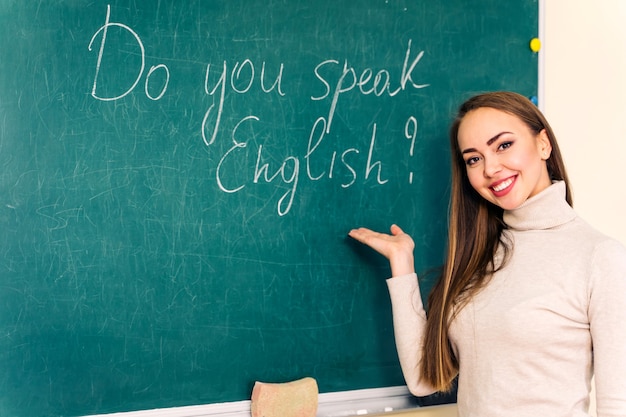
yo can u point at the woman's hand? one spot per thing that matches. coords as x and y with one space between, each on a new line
397 247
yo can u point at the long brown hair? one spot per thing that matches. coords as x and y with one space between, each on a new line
474 236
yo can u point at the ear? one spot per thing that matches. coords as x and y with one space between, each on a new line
544 147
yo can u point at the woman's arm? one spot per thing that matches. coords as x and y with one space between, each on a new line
409 317
409 324
607 317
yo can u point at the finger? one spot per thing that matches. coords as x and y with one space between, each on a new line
361 233
370 238
396 230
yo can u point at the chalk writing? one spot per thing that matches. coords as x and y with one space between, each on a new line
332 79
381 84
104 29
410 132
235 77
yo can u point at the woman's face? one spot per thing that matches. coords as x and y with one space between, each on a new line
505 160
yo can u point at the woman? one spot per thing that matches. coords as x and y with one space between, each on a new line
530 303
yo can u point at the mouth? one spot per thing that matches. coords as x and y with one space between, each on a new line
503 187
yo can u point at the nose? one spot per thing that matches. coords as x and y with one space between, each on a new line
492 166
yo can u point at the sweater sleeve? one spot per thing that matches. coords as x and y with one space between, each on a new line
607 317
409 323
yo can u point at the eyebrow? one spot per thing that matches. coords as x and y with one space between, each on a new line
489 142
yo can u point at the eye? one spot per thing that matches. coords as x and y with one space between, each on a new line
472 161
505 145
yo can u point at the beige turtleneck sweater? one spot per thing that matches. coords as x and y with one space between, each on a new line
530 341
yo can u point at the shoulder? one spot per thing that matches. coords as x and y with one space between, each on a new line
607 256
599 243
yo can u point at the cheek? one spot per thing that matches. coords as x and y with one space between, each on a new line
523 157
522 161
519 160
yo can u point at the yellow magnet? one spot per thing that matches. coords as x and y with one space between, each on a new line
535 45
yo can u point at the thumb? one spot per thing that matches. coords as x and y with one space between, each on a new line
396 230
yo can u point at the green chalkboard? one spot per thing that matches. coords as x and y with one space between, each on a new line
178 179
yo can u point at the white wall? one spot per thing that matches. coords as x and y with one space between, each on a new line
584 99
583 96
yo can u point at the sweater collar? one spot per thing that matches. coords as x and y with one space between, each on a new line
545 210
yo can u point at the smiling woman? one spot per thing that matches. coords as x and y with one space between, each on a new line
528 289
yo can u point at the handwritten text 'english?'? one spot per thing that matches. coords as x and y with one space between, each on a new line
241 78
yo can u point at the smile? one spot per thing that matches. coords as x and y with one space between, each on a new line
503 185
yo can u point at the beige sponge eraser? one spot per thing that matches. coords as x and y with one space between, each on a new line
288 399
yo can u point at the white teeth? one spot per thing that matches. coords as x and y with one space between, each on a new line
502 185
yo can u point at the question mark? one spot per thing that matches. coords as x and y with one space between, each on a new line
410 132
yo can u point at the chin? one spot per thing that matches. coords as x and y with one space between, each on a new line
505 203
509 205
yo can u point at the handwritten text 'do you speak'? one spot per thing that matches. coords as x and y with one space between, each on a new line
331 79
